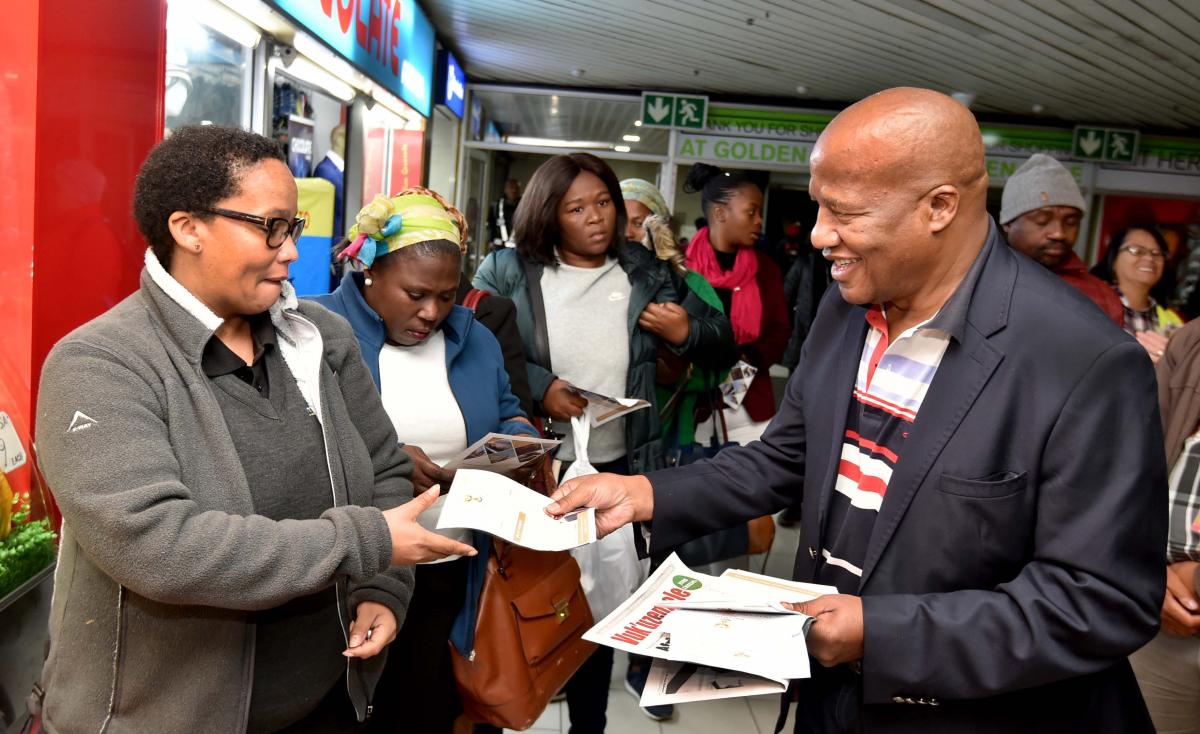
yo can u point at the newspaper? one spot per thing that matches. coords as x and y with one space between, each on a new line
763 650
495 504
673 681
746 591
735 386
503 454
602 409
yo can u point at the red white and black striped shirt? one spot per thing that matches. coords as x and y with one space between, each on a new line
894 376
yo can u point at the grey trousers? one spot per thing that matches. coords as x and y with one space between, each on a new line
1168 672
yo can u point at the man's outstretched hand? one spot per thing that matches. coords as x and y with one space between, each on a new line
618 500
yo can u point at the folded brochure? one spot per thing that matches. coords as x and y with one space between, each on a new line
495 504
602 409
502 454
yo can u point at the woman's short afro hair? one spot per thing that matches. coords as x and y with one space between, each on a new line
190 171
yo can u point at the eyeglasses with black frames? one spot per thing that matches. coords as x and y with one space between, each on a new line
278 229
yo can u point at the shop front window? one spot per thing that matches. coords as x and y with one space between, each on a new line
393 151
311 126
208 73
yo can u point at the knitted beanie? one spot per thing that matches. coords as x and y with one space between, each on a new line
1040 181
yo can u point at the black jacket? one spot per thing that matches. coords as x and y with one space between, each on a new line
499 315
506 273
1018 555
804 286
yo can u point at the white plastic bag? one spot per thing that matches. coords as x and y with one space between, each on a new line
609 568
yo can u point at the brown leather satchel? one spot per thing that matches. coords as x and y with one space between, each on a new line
760 534
528 636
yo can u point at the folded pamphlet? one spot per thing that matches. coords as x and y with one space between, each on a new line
602 409
495 504
503 454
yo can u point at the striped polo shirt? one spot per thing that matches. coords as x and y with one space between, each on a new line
894 376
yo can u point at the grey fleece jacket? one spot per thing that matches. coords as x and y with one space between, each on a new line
162 556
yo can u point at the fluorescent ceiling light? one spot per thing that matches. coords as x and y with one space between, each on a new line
556 143
632 138
394 104
637 123
260 15
966 99
307 72
621 148
331 62
221 19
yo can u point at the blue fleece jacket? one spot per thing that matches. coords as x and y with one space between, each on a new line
475 368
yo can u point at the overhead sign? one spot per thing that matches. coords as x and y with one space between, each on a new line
1001 167
792 155
391 41
686 112
452 83
744 152
1108 144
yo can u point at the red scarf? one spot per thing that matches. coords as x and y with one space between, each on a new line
747 310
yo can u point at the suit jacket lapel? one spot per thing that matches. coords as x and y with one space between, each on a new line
964 371
838 387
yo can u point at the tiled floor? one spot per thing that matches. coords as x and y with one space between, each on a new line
732 716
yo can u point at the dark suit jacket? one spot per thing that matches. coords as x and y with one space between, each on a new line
1018 555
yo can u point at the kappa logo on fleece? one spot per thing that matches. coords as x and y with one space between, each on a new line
81 422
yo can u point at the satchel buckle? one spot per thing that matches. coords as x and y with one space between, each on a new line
562 610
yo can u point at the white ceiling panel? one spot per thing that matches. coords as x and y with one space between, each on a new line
1123 62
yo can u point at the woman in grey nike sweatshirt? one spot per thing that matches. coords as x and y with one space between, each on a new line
237 537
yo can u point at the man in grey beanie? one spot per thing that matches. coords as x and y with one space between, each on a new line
1040 211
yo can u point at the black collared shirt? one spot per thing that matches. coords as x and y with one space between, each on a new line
952 316
218 359
280 445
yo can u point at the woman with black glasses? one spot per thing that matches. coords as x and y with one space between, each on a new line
1135 264
237 540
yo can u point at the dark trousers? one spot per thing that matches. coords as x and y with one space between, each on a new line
416 692
587 693
333 715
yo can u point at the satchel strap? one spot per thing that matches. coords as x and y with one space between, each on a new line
473 297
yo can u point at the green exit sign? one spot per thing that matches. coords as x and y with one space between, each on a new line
1106 144
686 112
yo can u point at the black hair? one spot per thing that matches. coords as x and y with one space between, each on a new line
714 185
1106 269
535 223
190 171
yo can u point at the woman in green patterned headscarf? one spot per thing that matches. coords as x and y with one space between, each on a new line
683 387
444 386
